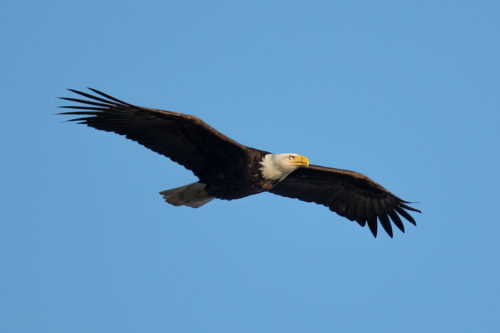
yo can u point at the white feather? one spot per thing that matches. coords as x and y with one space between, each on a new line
277 166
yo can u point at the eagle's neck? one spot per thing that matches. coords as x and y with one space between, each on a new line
275 167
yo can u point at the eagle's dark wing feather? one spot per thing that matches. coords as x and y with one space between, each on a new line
183 138
347 193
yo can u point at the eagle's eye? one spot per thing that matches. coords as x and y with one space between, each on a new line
291 157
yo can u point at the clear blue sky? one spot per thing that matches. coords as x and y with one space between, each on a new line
406 92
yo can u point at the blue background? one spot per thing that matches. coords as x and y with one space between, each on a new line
405 92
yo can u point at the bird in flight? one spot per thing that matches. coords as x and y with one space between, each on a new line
229 170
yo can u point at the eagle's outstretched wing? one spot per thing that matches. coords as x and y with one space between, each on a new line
183 138
347 193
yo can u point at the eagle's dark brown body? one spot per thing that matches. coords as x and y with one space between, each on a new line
238 179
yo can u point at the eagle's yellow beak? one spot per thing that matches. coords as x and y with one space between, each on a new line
301 161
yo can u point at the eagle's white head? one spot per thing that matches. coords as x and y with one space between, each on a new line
278 166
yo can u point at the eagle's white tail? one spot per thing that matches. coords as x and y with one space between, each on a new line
192 195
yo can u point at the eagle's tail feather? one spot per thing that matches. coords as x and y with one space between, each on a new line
192 195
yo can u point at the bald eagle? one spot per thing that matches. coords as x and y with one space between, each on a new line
229 170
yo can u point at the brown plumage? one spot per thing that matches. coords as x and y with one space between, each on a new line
349 194
229 170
